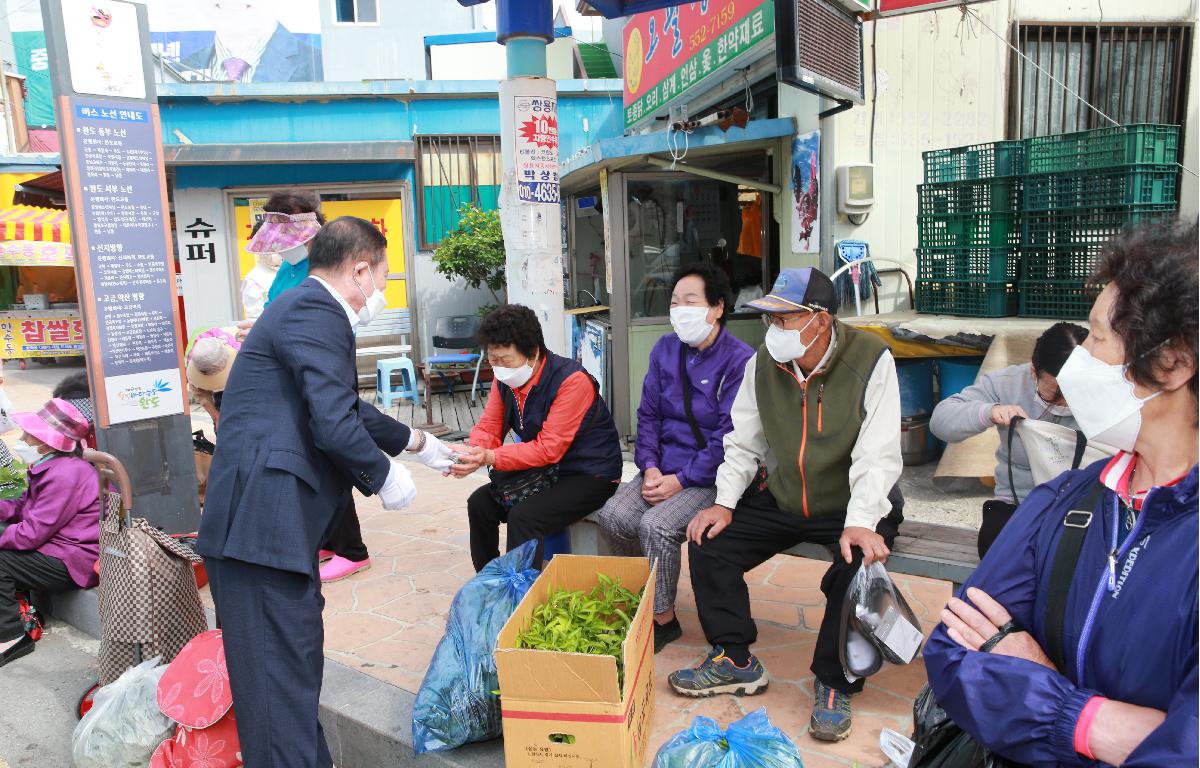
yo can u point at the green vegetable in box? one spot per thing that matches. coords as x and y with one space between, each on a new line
579 622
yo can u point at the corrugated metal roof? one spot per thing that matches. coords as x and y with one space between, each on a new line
416 89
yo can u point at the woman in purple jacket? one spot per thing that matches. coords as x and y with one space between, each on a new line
1075 642
51 535
679 447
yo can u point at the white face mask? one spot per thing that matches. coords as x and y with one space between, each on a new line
376 303
26 452
294 255
691 324
787 345
1102 400
513 377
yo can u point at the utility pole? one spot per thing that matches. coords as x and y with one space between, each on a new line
529 193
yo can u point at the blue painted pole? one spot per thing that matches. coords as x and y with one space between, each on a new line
526 56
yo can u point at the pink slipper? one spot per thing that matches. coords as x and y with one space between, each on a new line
325 555
340 568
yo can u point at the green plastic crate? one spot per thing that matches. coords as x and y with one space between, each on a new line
988 229
978 196
1076 229
988 264
1057 299
1103 147
1117 186
977 161
1059 263
970 298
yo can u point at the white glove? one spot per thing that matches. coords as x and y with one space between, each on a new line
435 455
398 490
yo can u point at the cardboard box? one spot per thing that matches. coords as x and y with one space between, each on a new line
566 710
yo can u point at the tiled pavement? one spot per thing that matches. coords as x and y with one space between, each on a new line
387 621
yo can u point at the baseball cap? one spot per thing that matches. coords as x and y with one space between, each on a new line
797 290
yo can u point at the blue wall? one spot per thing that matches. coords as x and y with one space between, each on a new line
371 119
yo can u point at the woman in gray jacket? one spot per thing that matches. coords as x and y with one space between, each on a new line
1029 391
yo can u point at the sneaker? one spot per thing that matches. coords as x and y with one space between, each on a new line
325 555
664 634
831 714
718 674
23 647
340 568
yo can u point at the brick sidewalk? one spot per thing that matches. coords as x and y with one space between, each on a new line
387 621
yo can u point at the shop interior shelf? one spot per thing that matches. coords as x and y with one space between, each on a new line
1103 147
971 298
977 161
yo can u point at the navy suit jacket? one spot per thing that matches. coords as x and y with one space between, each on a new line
294 436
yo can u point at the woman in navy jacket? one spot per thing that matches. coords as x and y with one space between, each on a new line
1123 690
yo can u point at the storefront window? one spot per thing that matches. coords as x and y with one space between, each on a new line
675 222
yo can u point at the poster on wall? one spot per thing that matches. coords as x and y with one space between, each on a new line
535 157
594 353
106 54
806 193
263 41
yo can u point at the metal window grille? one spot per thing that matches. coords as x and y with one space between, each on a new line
451 172
1133 73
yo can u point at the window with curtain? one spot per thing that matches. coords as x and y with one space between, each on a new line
1134 73
451 172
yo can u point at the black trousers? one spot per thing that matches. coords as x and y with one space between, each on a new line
27 571
273 632
345 539
759 531
572 498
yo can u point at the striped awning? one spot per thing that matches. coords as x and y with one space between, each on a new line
47 225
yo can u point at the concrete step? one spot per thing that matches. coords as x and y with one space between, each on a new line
367 722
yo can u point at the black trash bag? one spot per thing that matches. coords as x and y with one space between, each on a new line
457 703
940 743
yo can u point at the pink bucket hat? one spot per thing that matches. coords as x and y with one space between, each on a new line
59 425
282 231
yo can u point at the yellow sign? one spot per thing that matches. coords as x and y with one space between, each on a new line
387 215
32 253
40 336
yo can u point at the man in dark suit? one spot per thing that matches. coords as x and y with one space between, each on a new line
295 438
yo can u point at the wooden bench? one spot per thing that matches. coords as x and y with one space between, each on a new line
921 549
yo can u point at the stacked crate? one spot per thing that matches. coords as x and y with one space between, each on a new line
1081 189
969 230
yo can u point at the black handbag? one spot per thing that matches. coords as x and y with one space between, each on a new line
511 488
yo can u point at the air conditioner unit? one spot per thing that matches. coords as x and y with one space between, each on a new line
819 47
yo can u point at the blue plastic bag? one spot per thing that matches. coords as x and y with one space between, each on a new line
751 742
457 703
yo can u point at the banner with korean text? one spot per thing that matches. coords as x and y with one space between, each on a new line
669 51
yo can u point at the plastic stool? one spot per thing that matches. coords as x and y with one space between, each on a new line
556 544
408 381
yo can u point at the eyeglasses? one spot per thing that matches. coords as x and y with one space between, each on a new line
1054 399
782 321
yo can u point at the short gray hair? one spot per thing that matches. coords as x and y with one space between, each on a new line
211 355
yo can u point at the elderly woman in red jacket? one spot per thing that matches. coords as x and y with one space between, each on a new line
51 534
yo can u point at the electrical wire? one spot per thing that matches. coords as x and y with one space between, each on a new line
969 11
874 85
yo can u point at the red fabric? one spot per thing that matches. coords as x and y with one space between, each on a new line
575 396
194 691
1083 726
214 747
1118 473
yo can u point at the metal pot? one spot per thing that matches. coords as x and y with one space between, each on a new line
915 445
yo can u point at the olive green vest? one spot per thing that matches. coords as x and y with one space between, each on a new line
811 427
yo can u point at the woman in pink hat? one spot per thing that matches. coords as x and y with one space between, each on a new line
51 534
